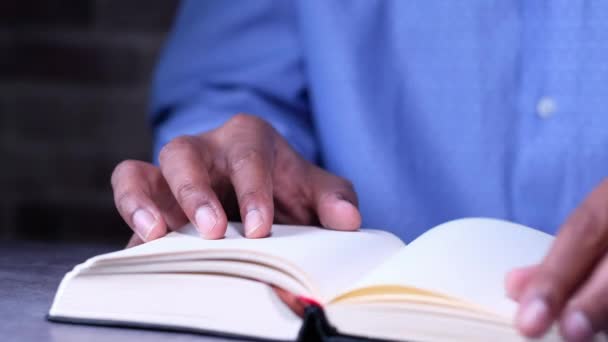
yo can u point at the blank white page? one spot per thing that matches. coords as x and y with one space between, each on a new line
467 259
333 260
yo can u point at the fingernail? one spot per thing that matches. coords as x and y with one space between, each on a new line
533 315
253 221
205 220
144 223
577 327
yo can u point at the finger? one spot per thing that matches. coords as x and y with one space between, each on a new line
565 267
335 201
587 311
291 300
250 162
132 199
135 240
291 182
517 279
183 165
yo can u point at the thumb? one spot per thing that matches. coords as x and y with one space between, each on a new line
335 201
517 279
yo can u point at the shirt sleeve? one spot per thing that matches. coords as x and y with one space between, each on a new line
227 57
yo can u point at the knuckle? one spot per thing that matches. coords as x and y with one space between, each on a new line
185 191
123 169
247 197
124 201
191 195
345 184
242 159
247 120
176 145
251 196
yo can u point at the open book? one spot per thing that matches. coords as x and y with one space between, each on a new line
446 285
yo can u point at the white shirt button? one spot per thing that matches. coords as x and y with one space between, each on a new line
546 107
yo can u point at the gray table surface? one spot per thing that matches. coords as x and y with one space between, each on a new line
29 275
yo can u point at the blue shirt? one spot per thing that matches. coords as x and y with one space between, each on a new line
433 109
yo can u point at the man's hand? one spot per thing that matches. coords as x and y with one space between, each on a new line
243 169
570 286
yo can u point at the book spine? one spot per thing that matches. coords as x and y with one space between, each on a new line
315 327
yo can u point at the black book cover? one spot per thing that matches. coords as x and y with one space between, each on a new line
315 328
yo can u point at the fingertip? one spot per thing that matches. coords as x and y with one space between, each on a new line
217 236
219 232
337 213
533 318
257 225
258 234
134 241
148 224
517 279
156 233
210 223
576 326
206 222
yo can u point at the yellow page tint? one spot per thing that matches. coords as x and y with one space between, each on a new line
466 259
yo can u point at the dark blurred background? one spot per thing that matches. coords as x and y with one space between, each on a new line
74 82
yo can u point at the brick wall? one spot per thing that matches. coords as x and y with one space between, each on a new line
74 79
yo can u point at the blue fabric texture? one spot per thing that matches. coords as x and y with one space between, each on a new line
434 109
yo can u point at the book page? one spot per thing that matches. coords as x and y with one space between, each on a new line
332 260
467 259
201 301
